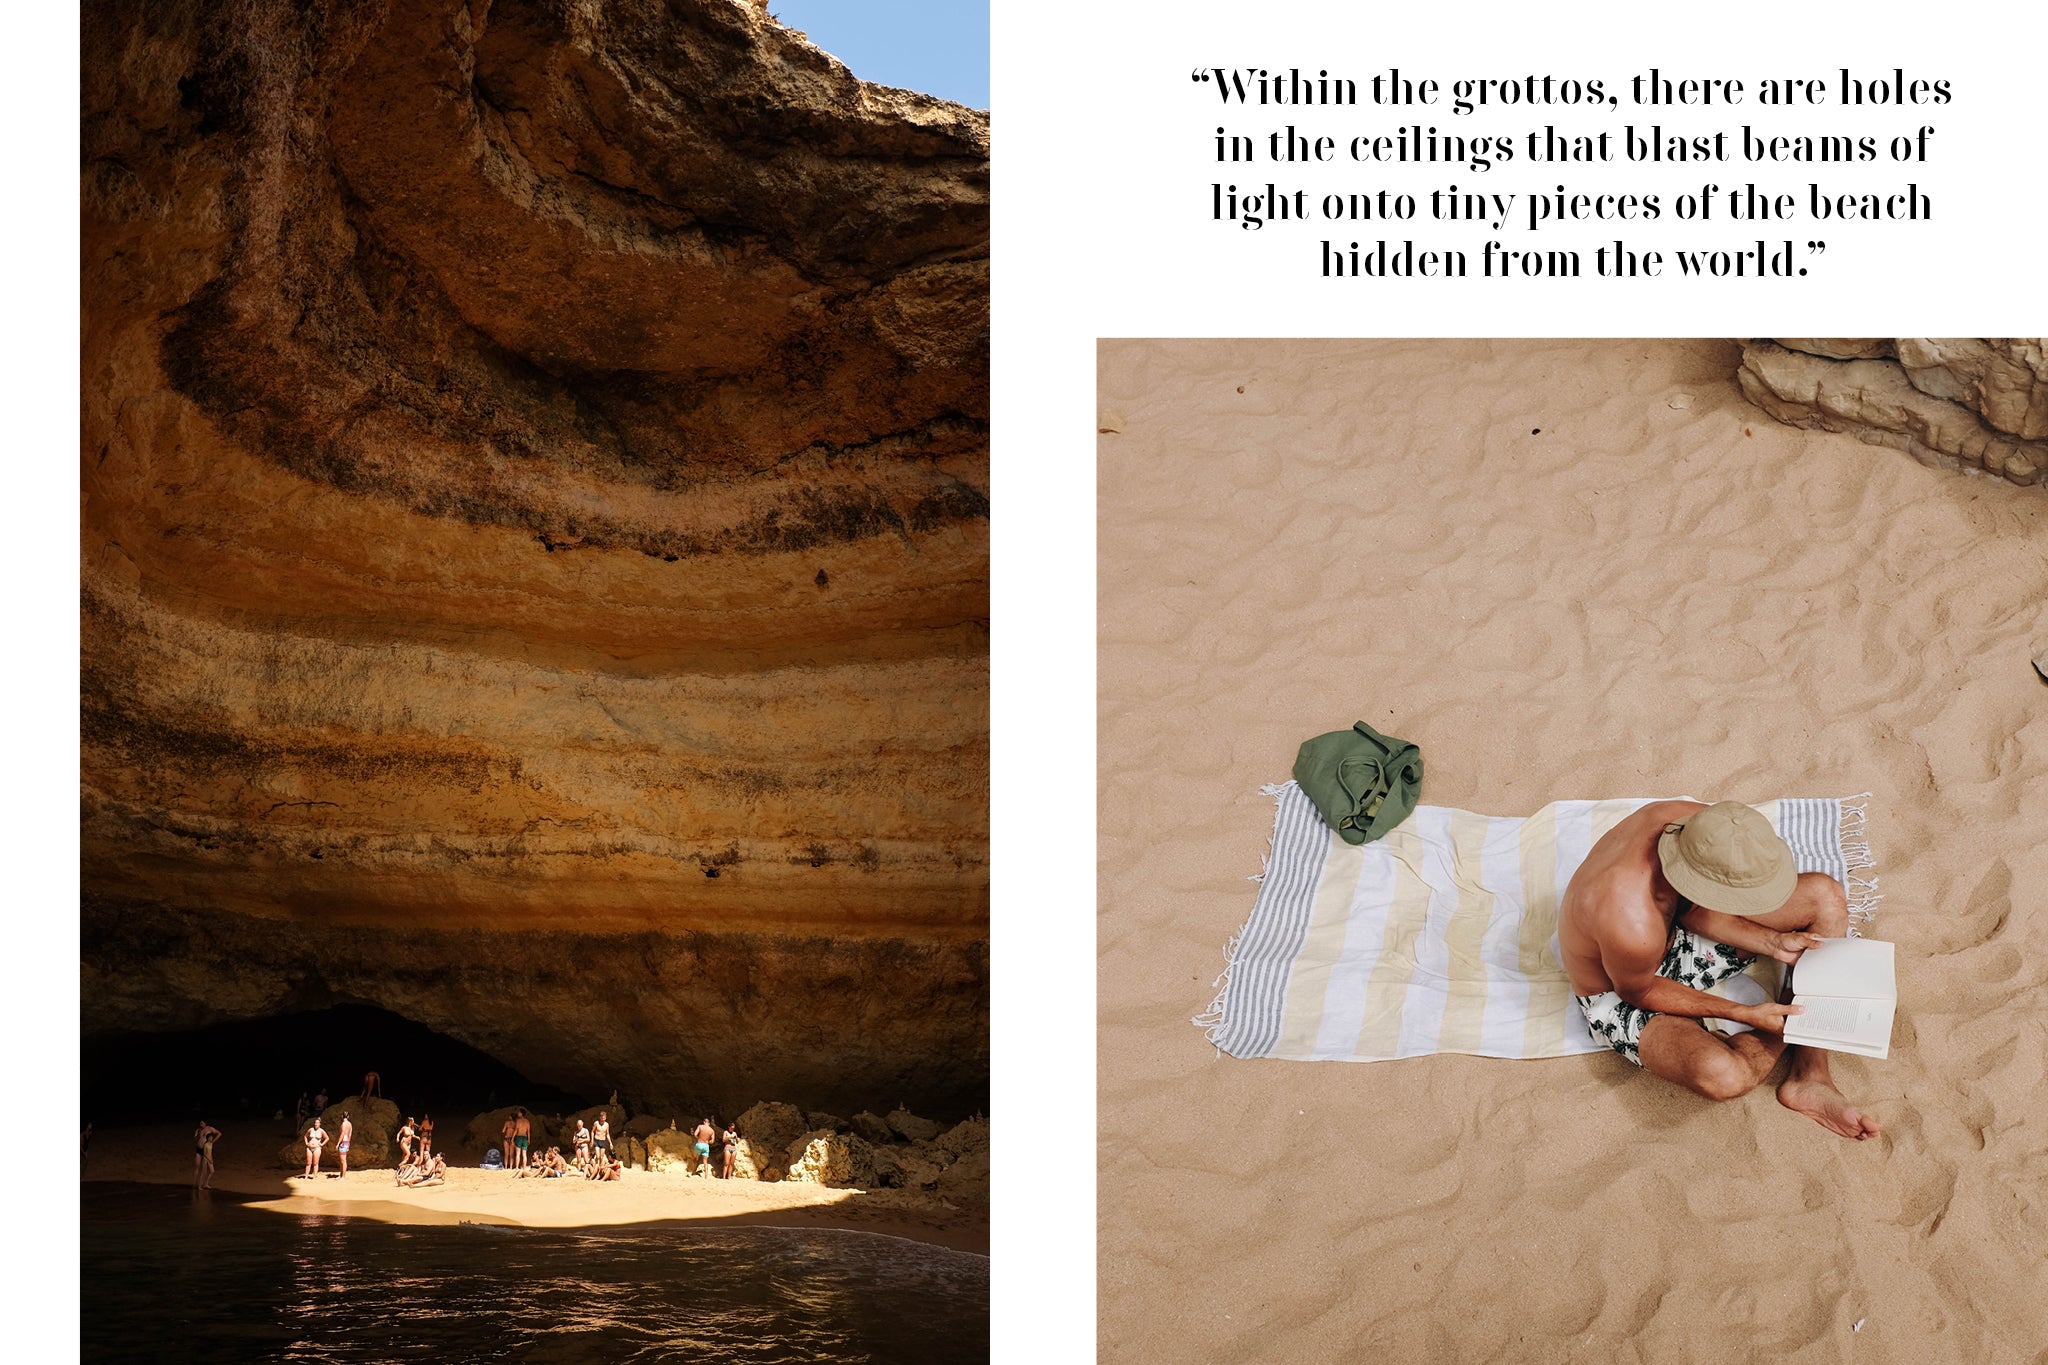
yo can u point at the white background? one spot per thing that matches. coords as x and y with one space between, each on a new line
1101 168
1103 158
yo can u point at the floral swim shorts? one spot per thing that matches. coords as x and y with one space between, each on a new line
1690 960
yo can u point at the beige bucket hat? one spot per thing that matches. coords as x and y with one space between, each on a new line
1728 858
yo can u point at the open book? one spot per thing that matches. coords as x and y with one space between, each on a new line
1849 994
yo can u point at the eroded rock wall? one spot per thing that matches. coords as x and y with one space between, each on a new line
535 481
1980 403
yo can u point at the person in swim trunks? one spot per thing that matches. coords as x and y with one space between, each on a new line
348 1130
1680 896
601 1135
705 1132
522 1136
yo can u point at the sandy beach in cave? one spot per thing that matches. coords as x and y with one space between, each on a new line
160 1154
1564 569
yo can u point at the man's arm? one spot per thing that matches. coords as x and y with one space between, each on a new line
1746 935
1631 958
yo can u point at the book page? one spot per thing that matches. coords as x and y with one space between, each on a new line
1846 966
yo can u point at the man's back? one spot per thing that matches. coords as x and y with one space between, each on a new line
1616 888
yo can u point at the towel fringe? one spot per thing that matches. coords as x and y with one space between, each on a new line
1272 789
1210 1020
1856 854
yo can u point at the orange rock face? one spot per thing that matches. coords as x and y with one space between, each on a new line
535 478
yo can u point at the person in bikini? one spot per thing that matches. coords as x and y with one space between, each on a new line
427 1135
202 1155
1681 896
731 1138
405 1137
316 1138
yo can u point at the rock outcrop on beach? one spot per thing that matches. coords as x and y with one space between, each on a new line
534 537
826 1157
1979 403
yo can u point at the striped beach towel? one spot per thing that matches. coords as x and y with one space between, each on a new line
1442 937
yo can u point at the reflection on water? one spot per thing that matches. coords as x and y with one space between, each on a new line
169 1275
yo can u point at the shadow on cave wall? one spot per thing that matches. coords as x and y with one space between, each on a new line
250 1069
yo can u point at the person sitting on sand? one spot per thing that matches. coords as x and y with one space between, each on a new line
316 1138
1680 896
202 1155
341 1148
609 1170
731 1138
522 1135
703 1134
555 1165
437 1174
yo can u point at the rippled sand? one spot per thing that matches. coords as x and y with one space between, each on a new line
1565 569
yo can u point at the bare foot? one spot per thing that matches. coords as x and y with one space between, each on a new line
1821 1102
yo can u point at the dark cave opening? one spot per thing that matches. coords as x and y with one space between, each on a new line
252 1068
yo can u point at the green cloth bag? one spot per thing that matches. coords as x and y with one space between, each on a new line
1363 782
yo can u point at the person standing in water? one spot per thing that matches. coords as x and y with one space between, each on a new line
316 1138
202 1155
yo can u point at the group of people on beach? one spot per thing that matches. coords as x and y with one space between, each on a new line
593 1143
419 1164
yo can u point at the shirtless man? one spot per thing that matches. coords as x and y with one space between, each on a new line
348 1130
582 1142
522 1135
601 1135
202 1155
316 1138
1681 896
373 1084
705 1132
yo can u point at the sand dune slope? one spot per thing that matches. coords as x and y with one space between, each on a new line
1565 569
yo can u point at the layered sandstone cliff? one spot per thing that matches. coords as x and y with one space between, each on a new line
535 480
1956 401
